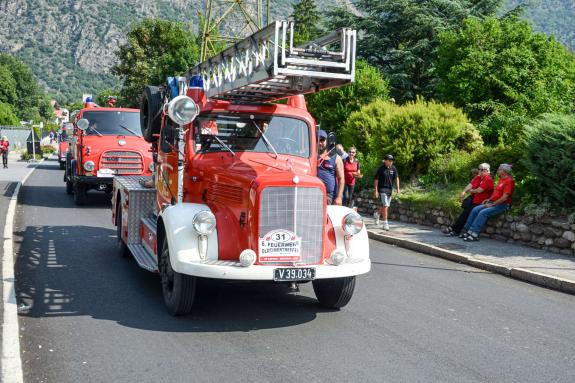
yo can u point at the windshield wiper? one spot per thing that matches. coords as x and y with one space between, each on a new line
266 141
130 130
94 129
223 144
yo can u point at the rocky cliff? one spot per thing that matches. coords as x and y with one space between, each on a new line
70 44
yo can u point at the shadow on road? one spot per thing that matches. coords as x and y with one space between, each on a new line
76 270
55 196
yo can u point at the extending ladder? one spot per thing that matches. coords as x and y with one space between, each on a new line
266 66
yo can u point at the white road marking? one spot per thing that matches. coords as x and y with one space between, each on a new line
11 363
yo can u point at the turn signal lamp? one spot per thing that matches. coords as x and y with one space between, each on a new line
337 257
247 257
183 110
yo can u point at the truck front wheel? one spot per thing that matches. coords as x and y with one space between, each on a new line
179 290
334 293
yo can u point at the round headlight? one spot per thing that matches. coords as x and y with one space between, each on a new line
204 222
352 223
151 167
182 110
89 166
247 257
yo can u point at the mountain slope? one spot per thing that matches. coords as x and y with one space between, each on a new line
70 44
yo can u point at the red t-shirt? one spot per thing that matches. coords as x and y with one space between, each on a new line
348 169
4 145
486 183
504 186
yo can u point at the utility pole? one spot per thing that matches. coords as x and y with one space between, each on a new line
225 22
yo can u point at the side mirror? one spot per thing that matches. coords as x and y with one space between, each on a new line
82 124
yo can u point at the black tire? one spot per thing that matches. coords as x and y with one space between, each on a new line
150 113
122 247
334 293
80 193
62 165
69 188
179 290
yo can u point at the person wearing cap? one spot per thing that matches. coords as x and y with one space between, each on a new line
479 189
330 171
4 148
499 201
385 179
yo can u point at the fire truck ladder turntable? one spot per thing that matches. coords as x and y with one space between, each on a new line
266 66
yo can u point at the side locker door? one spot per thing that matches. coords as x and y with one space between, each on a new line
167 172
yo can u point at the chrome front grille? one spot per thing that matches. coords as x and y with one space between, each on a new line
299 210
122 162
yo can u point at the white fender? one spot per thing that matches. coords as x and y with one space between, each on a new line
182 238
356 247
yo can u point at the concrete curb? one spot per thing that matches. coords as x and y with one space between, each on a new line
10 360
545 280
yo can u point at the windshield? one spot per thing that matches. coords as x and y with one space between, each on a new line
113 123
252 133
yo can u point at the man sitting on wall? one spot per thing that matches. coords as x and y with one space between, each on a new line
499 202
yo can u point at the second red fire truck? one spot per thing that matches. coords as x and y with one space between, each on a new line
106 142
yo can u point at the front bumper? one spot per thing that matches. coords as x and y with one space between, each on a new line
233 270
93 180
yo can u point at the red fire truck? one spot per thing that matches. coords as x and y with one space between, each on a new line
105 142
236 195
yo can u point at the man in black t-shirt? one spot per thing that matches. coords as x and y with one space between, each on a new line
385 179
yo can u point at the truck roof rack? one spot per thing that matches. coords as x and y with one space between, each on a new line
266 66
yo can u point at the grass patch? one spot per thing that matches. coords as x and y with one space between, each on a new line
445 198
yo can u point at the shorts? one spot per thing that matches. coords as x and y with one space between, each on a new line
385 199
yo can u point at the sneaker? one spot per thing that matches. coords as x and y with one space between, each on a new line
385 226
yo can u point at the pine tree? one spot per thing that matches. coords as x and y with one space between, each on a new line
307 21
401 37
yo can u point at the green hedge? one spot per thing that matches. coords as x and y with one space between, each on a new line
416 133
550 158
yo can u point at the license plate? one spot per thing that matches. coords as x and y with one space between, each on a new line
294 274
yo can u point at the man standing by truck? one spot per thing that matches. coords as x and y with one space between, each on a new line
330 171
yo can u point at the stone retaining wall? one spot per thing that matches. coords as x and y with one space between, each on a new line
554 234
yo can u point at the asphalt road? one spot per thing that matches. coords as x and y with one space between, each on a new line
96 317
